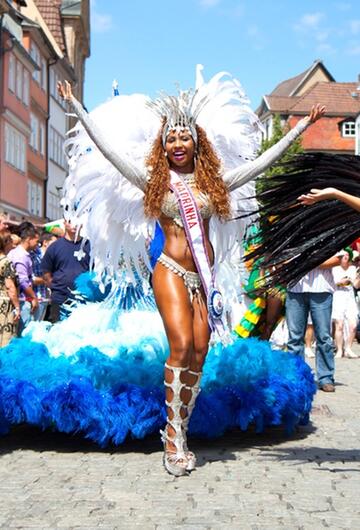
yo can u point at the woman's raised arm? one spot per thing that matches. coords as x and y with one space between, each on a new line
248 171
316 195
121 163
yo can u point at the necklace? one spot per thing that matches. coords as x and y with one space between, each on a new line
188 178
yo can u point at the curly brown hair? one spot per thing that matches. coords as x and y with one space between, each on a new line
207 176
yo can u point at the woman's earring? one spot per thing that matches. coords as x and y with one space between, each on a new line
165 154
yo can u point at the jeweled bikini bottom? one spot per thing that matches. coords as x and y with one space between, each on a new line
191 279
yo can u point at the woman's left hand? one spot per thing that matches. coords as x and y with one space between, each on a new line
65 90
317 112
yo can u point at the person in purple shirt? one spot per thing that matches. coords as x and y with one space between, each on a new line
20 258
41 290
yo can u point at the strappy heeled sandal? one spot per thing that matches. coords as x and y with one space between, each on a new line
195 390
175 462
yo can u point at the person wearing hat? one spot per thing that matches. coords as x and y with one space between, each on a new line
345 312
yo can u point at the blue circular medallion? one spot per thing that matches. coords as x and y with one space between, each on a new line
215 303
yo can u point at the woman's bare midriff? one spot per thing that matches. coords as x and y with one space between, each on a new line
176 245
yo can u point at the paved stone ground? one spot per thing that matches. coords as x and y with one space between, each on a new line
244 481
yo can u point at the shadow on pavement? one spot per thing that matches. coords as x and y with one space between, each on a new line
315 455
25 437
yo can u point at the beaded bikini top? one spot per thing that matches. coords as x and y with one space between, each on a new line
170 206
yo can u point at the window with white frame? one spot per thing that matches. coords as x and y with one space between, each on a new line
35 198
54 210
35 55
42 139
56 147
348 128
15 148
12 73
37 137
43 74
34 137
54 78
26 87
19 79
268 126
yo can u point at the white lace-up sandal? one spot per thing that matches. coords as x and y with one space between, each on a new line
195 390
175 462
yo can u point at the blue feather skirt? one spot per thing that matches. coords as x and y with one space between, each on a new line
100 373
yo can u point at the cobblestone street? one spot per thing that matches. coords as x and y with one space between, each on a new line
310 480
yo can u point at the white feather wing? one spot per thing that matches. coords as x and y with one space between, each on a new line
100 198
235 131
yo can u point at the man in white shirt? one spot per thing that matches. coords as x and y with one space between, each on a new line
313 294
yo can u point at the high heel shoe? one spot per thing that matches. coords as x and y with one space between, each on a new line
175 460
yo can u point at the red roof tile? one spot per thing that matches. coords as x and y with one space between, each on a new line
280 103
337 98
50 11
287 87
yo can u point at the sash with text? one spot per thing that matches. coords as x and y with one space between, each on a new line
194 229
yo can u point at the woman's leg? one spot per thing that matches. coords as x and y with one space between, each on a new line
174 305
309 339
309 336
350 339
201 332
351 324
274 306
339 337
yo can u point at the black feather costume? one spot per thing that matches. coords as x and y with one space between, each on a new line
298 238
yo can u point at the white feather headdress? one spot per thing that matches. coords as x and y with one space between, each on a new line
180 112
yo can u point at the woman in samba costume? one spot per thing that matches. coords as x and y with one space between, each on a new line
192 192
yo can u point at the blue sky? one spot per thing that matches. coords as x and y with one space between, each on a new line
152 45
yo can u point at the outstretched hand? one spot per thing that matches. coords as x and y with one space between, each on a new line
316 195
65 90
317 112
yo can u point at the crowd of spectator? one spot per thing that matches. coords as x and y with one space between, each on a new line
38 270
37 274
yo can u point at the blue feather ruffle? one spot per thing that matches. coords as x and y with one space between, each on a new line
108 398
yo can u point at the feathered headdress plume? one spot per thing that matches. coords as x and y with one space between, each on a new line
180 112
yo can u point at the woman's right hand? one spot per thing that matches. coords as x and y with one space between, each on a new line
65 90
316 195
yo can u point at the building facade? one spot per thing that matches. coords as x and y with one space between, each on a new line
68 23
338 131
17 68
42 41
